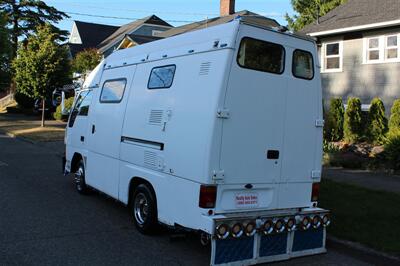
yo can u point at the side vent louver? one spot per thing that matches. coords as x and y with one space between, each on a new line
156 117
205 68
150 159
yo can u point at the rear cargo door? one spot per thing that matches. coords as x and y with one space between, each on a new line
252 137
301 153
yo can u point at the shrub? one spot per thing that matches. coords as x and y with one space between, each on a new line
394 121
335 120
24 101
352 127
392 151
68 105
377 122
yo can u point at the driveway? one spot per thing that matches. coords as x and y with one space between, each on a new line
43 221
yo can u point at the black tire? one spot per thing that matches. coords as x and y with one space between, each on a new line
79 179
144 209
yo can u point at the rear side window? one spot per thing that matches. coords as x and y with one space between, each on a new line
161 77
303 65
261 55
113 91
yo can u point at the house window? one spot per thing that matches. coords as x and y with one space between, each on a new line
382 49
156 32
392 47
333 56
161 77
113 91
373 50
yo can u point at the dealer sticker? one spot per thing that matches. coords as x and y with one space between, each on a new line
246 200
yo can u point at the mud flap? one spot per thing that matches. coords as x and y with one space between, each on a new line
262 248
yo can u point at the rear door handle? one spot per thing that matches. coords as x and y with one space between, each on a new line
273 154
93 129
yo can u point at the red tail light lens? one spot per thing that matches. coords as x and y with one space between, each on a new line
208 196
315 192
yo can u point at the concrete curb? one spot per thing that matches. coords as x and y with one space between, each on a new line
361 249
11 135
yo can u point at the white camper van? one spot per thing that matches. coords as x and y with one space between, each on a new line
218 131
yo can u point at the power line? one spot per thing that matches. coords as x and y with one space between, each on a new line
145 11
125 18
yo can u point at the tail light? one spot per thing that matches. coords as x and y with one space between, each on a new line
315 192
208 196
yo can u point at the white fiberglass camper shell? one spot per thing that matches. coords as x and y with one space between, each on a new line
218 131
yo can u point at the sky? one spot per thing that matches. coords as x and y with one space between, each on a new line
175 12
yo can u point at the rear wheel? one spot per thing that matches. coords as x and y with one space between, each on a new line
79 179
144 209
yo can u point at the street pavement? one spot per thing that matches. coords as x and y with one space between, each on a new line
43 221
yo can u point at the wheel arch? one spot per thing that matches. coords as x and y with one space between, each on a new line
135 182
75 161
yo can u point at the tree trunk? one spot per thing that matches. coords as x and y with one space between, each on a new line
15 30
43 110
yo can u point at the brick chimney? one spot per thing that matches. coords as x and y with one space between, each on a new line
226 7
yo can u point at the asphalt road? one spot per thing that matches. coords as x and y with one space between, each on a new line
43 221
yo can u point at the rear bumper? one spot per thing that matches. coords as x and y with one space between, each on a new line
268 248
262 247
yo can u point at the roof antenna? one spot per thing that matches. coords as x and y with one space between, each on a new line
317 20
206 21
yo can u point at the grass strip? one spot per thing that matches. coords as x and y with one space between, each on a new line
362 215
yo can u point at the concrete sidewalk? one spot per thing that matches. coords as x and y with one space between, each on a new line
364 178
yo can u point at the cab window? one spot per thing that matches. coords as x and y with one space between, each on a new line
261 55
81 107
303 65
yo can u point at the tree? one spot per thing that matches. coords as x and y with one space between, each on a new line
5 50
377 122
335 119
353 129
86 61
42 65
24 16
394 121
308 11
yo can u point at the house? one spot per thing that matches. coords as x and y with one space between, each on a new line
227 13
359 46
137 32
85 35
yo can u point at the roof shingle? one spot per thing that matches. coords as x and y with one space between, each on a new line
357 13
256 18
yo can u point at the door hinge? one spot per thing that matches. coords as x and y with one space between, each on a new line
218 175
223 113
319 122
315 174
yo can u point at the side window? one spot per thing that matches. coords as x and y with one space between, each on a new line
303 65
261 55
113 91
161 77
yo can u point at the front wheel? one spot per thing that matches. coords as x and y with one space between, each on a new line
79 179
144 209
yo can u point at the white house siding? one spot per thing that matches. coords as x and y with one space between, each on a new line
359 79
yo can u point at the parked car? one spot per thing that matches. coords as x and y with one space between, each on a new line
218 131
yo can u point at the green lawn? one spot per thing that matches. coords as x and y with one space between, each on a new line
361 215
